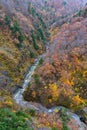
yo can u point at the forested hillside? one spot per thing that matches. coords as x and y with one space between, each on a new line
43 65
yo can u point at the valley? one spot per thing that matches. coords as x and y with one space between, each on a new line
43 65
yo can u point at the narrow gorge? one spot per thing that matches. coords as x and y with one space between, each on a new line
43 65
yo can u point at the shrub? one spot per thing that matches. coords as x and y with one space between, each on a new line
64 115
77 103
32 112
36 79
65 119
14 121
80 84
41 61
65 126
32 54
54 128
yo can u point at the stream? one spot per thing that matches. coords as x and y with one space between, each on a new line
18 97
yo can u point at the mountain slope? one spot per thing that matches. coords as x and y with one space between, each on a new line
23 34
26 27
62 77
33 20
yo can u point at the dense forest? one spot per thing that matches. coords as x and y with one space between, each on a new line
43 65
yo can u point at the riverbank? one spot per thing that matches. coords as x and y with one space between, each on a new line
18 97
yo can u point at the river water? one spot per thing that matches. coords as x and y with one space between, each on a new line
18 97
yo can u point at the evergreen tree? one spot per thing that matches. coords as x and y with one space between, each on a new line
7 20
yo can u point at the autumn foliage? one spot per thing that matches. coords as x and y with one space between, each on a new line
63 75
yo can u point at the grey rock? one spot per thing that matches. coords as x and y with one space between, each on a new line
43 129
4 81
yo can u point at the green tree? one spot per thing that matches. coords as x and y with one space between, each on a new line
36 79
21 37
16 28
41 61
14 121
34 41
33 12
85 13
7 20
32 55
41 33
29 7
42 21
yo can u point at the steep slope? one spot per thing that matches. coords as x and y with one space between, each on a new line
24 29
29 120
63 9
62 78
23 34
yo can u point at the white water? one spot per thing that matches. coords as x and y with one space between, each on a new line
19 98
81 125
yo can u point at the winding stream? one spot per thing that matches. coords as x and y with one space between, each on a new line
20 101
18 97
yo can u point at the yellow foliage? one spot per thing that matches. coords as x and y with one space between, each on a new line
69 82
54 91
34 94
6 99
77 102
84 73
54 32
